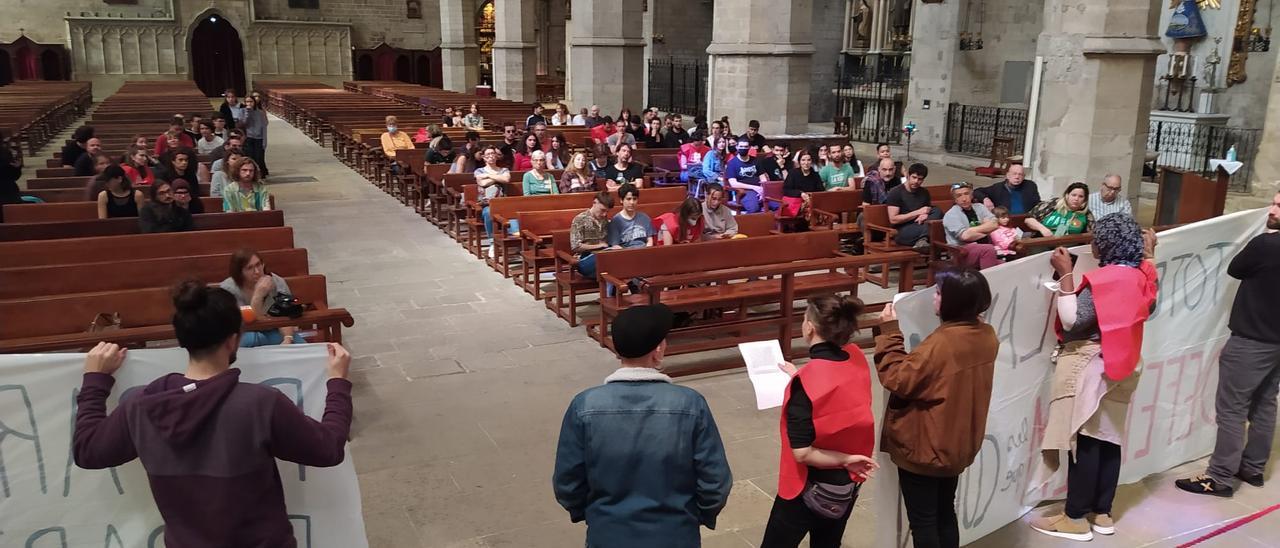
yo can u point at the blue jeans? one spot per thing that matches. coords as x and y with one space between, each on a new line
488 223
251 339
752 202
587 265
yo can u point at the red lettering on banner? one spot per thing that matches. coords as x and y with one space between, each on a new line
1177 361
1195 360
1149 409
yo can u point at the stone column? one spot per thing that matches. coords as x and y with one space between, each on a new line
1266 167
606 50
515 51
1095 99
459 53
761 60
933 70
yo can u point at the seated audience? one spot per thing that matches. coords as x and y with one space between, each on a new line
715 159
910 207
523 157
186 197
558 152
822 157
878 183
577 176
690 160
639 458
580 119
828 430
717 219
230 108
623 170
970 225
167 139
10 172
85 164
178 422
459 115
600 161
700 132
939 397
234 141
561 116
682 226
538 181
192 129
392 140
753 137
473 119
441 152
798 185
1062 216
220 128
620 137
141 141
208 141
589 231
254 287
536 117
652 137
466 160
490 178
245 191
1005 236
78 146
161 213
744 177
178 163
510 144
97 183
676 136
116 197
601 130
1109 199
224 174
851 159
630 227
1015 192
137 166
837 174
775 161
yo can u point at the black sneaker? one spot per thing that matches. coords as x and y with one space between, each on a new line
1251 479
1204 485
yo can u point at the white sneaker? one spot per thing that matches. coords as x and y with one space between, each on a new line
490 251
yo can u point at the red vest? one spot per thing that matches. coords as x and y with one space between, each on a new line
842 419
1123 297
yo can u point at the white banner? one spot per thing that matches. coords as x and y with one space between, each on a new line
1171 415
48 502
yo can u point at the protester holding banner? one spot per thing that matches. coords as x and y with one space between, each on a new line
1100 325
939 395
828 431
1249 369
209 442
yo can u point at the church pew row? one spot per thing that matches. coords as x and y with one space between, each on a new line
33 112
141 246
16 232
58 322
60 279
73 211
56 195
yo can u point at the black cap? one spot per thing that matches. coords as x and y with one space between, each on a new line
640 329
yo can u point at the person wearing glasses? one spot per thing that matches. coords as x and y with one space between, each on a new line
509 145
1109 199
254 287
162 213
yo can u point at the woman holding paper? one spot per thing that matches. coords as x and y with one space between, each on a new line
1100 320
939 394
828 431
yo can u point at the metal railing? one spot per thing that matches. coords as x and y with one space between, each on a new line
971 129
870 99
678 85
1190 146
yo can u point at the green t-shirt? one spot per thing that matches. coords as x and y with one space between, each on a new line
832 177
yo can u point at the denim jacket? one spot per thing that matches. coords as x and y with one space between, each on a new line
640 459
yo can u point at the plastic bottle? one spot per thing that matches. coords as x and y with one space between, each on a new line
1231 154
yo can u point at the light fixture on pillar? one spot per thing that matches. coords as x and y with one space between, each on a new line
971 36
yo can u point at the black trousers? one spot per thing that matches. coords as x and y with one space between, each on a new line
1092 477
254 148
910 233
931 509
791 520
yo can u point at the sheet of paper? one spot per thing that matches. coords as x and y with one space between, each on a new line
770 383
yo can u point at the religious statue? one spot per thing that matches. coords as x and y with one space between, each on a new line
863 19
1204 4
413 10
1211 63
1186 22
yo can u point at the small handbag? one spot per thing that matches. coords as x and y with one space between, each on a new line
286 306
828 500
104 322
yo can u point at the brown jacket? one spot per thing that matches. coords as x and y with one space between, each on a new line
938 397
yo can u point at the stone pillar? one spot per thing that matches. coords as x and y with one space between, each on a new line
1095 99
606 50
459 53
933 70
761 60
1266 167
515 51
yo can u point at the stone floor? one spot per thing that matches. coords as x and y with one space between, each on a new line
461 380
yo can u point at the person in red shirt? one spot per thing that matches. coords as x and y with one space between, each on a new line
176 128
681 226
690 159
600 132
137 166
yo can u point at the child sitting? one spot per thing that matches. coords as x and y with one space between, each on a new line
1004 237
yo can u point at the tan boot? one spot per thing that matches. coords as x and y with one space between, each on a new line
1059 525
1103 524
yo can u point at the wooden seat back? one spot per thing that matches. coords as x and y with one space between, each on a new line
506 207
843 204
15 232
756 224
73 211
543 222
142 246
717 255
138 273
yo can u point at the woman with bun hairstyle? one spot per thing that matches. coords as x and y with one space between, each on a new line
828 431
209 442
938 398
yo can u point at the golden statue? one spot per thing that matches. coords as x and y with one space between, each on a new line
1203 4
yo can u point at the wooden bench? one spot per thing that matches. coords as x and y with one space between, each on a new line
734 276
59 322
878 235
141 246
73 211
16 232
137 273
58 195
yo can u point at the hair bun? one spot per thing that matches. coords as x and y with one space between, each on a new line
190 295
850 306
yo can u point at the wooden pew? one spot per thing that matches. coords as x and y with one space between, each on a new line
878 234
733 275
58 322
15 232
73 211
58 195
137 273
141 246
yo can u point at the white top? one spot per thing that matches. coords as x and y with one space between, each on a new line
1230 167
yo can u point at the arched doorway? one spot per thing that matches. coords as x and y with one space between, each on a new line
217 61
364 67
51 65
403 70
424 71
6 68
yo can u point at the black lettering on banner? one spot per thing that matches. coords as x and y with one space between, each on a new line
66 474
1179 287
978 485
111 532
275 382
306 528
33 436
156 534
62 537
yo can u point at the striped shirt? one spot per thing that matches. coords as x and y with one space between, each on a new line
1101 209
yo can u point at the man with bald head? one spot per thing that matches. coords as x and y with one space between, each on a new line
877 184
1015 193
1109 199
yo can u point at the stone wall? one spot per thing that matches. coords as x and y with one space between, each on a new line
828 32
372 21
1009 31
685 26
43 20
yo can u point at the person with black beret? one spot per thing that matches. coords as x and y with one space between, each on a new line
640 458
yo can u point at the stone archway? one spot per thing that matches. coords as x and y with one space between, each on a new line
217 56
